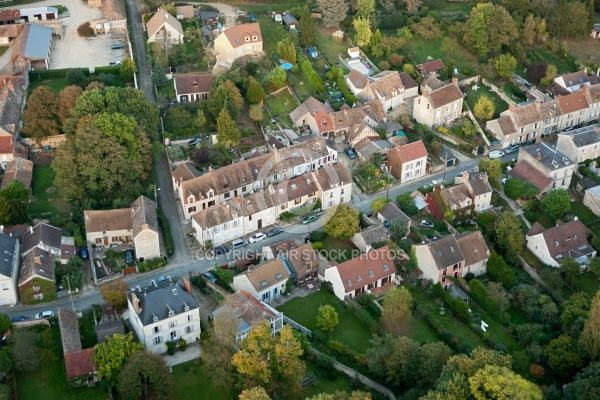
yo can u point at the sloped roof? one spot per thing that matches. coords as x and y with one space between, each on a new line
283 247
10 15
432 66
238 33
366 268
80 363
42 233
473 247
289 18
333 176
407 81
479 183
527 113
357 79
374 234
295 188
186 11
19 169
267 275
38 263
315 108
585 136
160 18
303 259
114 10
216 215
107 220
391 213
8 254
529 173
194 83
108 329
249 311
412 151
11 30
6 145
387 83
12 99
573 102
506 125
575 78
143 215
35 41
445 95
69 330
185 172
456 195
548 156
566 240
445 251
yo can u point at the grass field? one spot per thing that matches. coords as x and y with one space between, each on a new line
339 250
271 33
192 382
43 202
281 104
546 56
267 8
473 96
349 331
588 283
56 84
330 49
583 213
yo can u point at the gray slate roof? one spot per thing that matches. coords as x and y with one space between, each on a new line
69 331
108 329
289 19
42 233
585 136
143 215
550 157
391 212
38 41
9 250
157 300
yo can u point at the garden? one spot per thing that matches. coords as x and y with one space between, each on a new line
46 203
338 250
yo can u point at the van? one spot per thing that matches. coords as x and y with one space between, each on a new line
238 243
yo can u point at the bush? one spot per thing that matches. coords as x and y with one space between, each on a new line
396 59
75 76
466 71
167 235
171 346
518 188
384 65
85 30
198 281
482 296
310 74
153 263
499 271
286 216
460 308
364 299
341 82
367 321
182 344
317 236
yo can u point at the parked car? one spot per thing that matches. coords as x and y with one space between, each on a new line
511 149
117 46
425 223
568 129
495 143
210 277
44 314
20 319
238 243
350 153
129 256
257 237
112 63
83 254
159 279
220 250
386 224
309 219
369 213
194 141
496 154
274 232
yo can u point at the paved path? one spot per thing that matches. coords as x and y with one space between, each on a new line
191 352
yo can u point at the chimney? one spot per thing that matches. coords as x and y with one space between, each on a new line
186 284
455 81
511 107
598 72
539 156
136 303
31 230
37 260
465 175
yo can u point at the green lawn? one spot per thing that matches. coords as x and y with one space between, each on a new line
87 329
329 48
583 213
473 96
192 382
271 33
281 104
3 49
267 8
300 86
49 382
56 84
303 310
339 250
43 179
588 283
419 330
532 260
542 55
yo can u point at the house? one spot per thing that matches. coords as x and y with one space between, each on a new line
13 92
295 193
411 87
315 115
164 312
366 238
430 67
67 249
580 144
574 81
574 108
544 166
8 33
372 272
595 34
388 88
452 255
209 16
185 12
335 185
368 147
10 16
520 123
114 12
278 249
391 213
304 264
250 312
289 21
31 49
193 87
7 148
136 225
392 129
354 52
42 236
107 329
439 102
19 169
38 14
239 41
79 363
9 268
478 187
165 29
456 199
36 278
591 199
265 281
358 122
565 240
408 162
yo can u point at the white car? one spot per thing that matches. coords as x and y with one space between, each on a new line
257 237
496 154
426 224
44 314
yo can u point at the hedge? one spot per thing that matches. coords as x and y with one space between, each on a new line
167 235
518 188
312 77
53 73
482 296
113 70
341 82
153 263
460 308
367 321
499 271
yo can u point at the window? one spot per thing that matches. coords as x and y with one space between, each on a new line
243 188
192 209
235 223
156 329
4 286
114 239
39 296
98 241
226 195
174 335
342 191
249 217
225 225
188 329
247 38
255 38
283 206
215 229
171 324
157 340
36 288
297 201
522 130
189 318
331 195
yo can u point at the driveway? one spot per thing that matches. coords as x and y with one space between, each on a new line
224 9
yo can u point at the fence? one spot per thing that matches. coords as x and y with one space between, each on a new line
297 326
108 278
495 89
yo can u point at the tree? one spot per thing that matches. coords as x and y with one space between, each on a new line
586 385
508 234
179 118
427 28
111 356
412 5
488 28
388 5
493 169
342 222
590 337
23 346
405 203
219 349
484 108
66 101
224 95
518 188
228 134
493 382
159 78
287 50
12 212
449 46
15 191
376 39
364 8
563 355
75 76
379 203
576 307
200 120
362 26
256 113
289 367
333 11
5 323
72 278
256 393
128 68
275 79
396 309
327 318
40 119
560 22
528 35
570 271
595 266
255 93
114 292
505 65
432 358
549 76
307 28
500 296
6 362
556 203
145 375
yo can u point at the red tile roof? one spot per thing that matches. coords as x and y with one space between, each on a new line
411 151
193 83
366 268
529 173
432 66
6 145
573 102
80 363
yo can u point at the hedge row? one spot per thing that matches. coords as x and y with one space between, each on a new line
444 334
312 76
53 73
167 235
153 263
367 321
499 271
481 295
460 308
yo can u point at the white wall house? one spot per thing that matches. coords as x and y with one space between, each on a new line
9 269
265 282
164 29
439 102
408 162
580 144
164 312
565 240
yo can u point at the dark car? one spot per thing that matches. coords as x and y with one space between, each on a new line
386 224
350 153
220 250
194 141
370 213
129 256
309 219
274 232
20 319
117 46
83 254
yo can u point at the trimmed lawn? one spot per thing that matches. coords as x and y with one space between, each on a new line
329 48
340 384
532 260
192 382
349 331
43 179
281 104
56 84
339 250
3 49
49 382
583 213
300 87
588 283
473 96
419 330
539 55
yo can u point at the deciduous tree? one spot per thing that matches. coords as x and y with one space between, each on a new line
406 204
560 22
5 323
427 28
379 203
556 203
227 132
493 382
307 28
412 5
396 309
111 356
388 5
508 234
145 375
484 108
256 393
488 28
287 50
334 11
13 208
40 119
398 230
23 345
449 46
493 169
362 26
586 385
219 349
114 292
224 95
275 79
549 76
327 318
505 65
574 308
255 92
500 296
364 8
563 355
528 35
66 101
256 113
590 337
15 190
128 68
342 222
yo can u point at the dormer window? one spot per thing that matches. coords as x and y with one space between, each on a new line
255 38
247 38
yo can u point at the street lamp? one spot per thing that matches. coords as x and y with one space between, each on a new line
156 189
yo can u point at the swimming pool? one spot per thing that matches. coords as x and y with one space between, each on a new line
287 66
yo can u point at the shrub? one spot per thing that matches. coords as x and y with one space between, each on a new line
518 188
153 263
286 215
171 348
85 30
367 321
499 271
466 71
396 59
384 65
75 76
312 77
317 246
182 344
460 308
364 299
482 296
198 281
